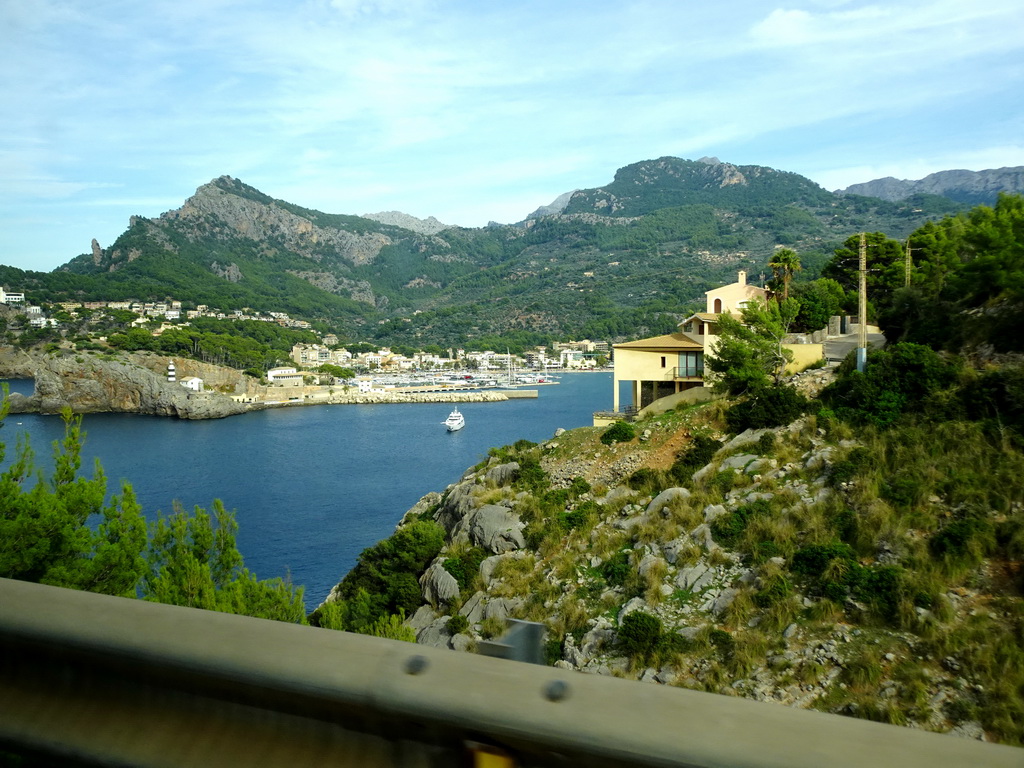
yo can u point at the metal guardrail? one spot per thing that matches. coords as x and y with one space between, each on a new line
125 682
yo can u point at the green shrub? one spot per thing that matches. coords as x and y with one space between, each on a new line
722 642
385 578
644 478
766 443
580 516
728 529
844 523
619 432
639 635
465 567
856 463
458 624
775 589
531 476
962 538
616 569
898 379
699 452
578 487
813 559
768 407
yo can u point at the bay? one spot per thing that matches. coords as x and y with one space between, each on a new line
311 486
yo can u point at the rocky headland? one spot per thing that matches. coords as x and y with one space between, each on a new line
87 382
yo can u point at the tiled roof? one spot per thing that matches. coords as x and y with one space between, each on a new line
670 341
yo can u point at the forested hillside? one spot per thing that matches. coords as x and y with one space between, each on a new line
622 260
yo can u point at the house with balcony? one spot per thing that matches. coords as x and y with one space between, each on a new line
668 365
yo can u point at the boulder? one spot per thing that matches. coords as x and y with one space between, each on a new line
695 579
503 474
473 609
672 549
702 535
436 634
458 503
600 636
738 462
635 604
438 586
489 564
713 512
617 493
665 498
502 608
496 529
423 618
423 505
649 562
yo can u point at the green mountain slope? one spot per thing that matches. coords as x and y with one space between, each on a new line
623 259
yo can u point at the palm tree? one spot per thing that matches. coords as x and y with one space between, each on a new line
784 264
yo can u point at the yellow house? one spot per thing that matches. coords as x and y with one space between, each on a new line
663 366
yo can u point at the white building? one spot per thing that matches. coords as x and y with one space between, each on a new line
193 383
11 298
284 377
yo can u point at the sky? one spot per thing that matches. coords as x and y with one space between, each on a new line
473 111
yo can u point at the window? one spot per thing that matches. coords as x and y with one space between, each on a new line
691 364
718 306
662 361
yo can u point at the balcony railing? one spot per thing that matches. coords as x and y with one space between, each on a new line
689 372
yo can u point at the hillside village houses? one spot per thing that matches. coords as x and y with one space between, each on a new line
674 363
571 355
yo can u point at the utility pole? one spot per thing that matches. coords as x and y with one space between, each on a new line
862 308
906 266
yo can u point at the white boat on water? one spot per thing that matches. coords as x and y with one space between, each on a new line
455 421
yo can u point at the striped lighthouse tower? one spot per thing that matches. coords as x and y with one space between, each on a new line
171 375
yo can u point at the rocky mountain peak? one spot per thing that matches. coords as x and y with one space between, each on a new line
427 226
971 187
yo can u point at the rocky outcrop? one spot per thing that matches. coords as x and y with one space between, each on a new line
427 226
226 203
972 187
88 383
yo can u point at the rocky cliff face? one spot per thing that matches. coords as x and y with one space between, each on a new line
972 187
216 208
427 226
89 383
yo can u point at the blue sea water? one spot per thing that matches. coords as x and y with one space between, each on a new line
311 486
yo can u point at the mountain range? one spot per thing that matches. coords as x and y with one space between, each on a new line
620 260
969 187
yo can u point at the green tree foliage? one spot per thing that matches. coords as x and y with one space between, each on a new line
64 533
193 561
619 432
45 534
384 580
337 371
639 635
885 258
819 300
903 378
749 355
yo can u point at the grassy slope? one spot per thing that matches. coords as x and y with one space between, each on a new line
929 635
